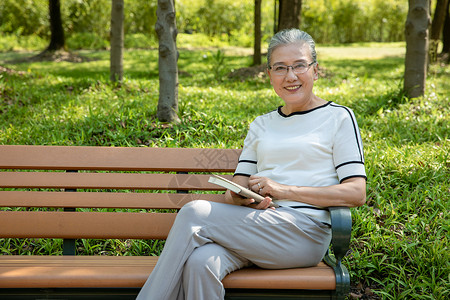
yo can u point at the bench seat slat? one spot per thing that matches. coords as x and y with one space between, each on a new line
94 225
58 180
127 271
117 158
101 200
319 277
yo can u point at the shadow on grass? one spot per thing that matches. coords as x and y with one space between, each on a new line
374 68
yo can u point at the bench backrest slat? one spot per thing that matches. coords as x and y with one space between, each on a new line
117 158
101 200
58 180
94 225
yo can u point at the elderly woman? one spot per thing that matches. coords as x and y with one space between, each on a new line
305 156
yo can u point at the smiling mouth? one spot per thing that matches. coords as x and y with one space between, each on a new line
293 88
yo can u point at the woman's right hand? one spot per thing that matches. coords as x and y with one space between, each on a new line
239 200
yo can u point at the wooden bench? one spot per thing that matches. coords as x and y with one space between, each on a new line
72 193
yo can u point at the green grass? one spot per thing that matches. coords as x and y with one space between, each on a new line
400 237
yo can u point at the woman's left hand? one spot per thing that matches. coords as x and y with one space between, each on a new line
266 187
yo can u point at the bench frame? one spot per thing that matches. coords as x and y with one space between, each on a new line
79 159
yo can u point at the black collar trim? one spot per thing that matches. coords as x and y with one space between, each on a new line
301 112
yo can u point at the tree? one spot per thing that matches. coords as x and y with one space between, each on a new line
117 37
446 34
436 27
56 50
57 41
257 43
289 14
166 30
416 58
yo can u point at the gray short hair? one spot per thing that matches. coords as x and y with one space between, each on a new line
289 36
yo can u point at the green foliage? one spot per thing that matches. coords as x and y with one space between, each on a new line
217 17
217 64
400 237
186 40
86 23
86 40
114 247
140 40
348 21
225 21
231 21
89 21
21 43
86 17
140 17
328 21
23 17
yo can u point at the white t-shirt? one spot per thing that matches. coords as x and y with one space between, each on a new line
318 147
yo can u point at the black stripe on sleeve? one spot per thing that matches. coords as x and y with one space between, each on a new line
353 176
248 161
354 129
348 163
241 174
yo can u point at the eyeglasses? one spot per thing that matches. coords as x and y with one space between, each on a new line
282 70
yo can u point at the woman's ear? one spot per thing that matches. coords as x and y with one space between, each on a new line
268 74
316 71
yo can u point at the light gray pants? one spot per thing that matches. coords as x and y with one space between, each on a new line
209 240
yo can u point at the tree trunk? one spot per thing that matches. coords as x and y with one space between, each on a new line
289 14
440 12
117 37
446 33
166 30
436 27
416 32
57 41
275 21
257 44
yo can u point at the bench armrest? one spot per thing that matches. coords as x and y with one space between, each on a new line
341 228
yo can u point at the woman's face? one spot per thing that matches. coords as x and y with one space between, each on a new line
294 89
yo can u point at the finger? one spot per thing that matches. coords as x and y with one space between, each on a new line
254 180
234 194
269 202
258 185
252 183
255 187
264 204
260 206
247 202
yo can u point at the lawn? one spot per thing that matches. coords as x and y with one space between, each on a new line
400 237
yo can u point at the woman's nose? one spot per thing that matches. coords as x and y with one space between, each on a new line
290 76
